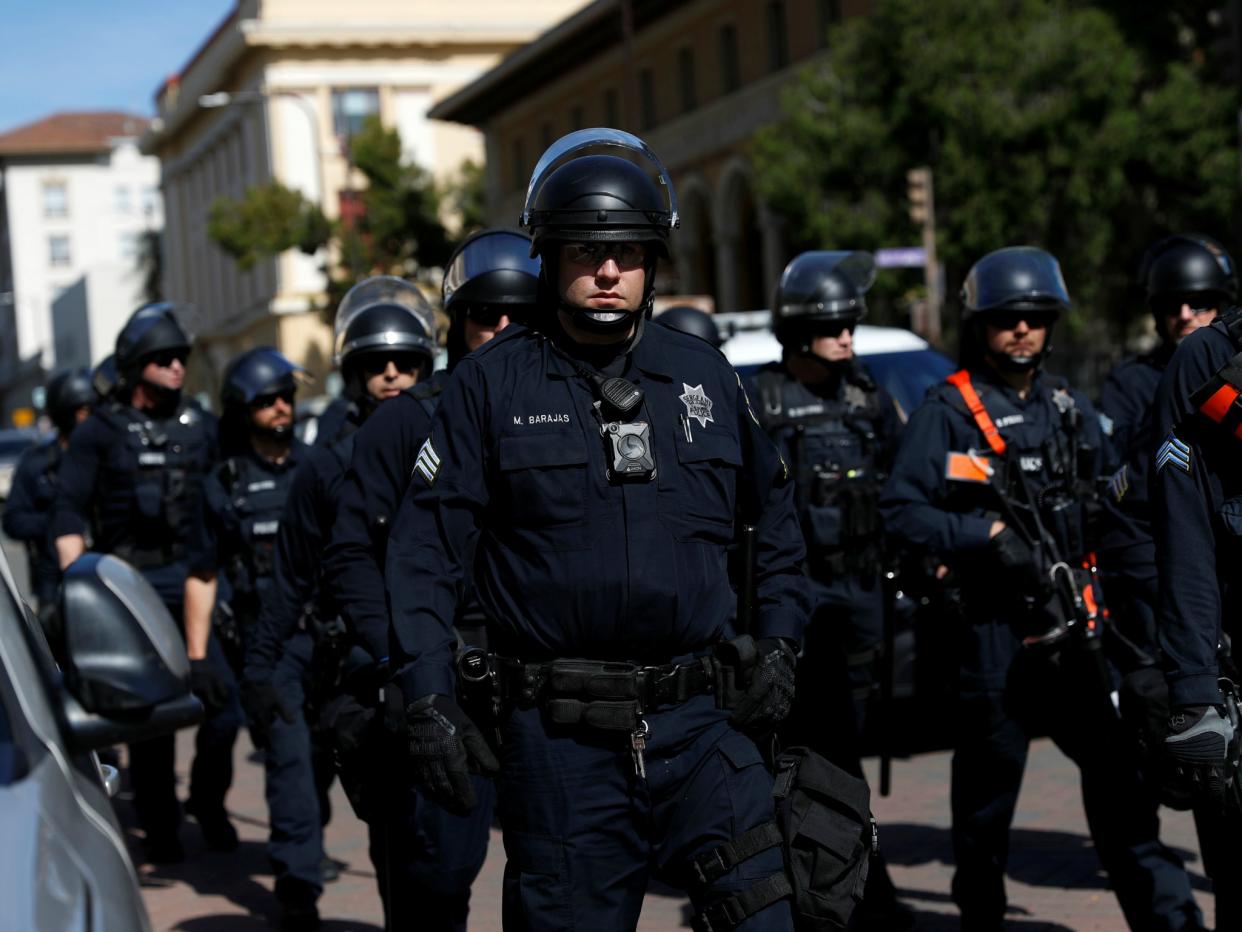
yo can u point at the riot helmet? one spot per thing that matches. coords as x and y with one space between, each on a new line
1190 269
104 377
490 275
579 195
1014 279
150 332
68 391
817 290
257 373
382 316
691 320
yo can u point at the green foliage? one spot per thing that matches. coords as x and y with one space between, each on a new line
1059 124
151 265
266 221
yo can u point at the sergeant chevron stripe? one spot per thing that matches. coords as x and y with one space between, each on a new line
1173 451
427 463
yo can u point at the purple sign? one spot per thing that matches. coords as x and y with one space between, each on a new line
902 257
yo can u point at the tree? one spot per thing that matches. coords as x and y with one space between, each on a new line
268 220
1044 122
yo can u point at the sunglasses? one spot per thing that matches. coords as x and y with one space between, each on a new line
1171 305
266 401
1009 320
626 255
831 328
377 363
486 315
166 358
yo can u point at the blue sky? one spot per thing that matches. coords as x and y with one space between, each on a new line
95 54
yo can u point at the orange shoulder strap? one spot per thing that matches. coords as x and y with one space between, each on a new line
961 381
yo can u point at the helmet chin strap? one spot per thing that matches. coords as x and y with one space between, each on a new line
281 434
165 398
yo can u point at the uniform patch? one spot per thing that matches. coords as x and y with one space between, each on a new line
1173 451
967 467
698 405
427 463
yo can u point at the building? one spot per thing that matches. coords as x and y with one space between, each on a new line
299 76
694 79
76 197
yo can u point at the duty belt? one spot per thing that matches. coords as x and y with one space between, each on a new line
602 694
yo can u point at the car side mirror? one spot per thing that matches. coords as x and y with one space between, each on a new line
126 673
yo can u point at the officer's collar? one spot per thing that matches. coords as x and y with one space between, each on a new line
993 379
296 450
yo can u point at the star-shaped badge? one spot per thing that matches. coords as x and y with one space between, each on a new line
698 405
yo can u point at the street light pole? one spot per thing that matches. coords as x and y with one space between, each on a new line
227 98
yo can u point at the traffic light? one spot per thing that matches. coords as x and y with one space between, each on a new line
919 193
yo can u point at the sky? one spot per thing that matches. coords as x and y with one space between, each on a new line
95 54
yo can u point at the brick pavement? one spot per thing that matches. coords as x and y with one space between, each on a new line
1055 882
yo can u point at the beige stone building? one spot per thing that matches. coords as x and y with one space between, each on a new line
291 80
695 79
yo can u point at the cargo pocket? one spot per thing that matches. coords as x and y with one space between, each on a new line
1231 516
700 501
537 889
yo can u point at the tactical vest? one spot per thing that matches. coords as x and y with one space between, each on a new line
256 500
1049 481
1219 399
833 447
168 458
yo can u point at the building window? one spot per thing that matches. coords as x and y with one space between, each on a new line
129 245
55 199
778 36
612 107
58 251
121 200
829 16
350 109
577 117
685 75
646 98
730 72
150 201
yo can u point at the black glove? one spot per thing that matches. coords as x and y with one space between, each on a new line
440 743
769 691
263 702
1197 752
1016 561
346 722
208 685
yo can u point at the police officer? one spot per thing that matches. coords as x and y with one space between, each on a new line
993 474
588 474
243 499
298 655
1195 488
135 469
691 320
69 397
489 279
838 430
1186 278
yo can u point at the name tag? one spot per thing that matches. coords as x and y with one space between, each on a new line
967 467
150 458
261 486
266 528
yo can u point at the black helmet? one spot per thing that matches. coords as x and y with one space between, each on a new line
255 373
576 195
1016 278
67 391
691 320
492 267
151 329
1188 263
819 287
104 377
384 314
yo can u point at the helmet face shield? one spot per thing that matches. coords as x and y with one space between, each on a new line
381 290
257 372
493 251
600 140
824 285
1016 277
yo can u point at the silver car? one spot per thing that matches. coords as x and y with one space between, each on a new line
123 676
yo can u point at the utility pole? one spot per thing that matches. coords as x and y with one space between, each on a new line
919 191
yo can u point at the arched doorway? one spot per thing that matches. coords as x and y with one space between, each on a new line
741 226
693 244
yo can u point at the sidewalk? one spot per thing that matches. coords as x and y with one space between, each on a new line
1056 882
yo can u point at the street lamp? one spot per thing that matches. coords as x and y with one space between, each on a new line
227 98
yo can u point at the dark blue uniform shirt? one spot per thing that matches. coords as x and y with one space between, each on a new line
565 562
28 511
384 452
1197 510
